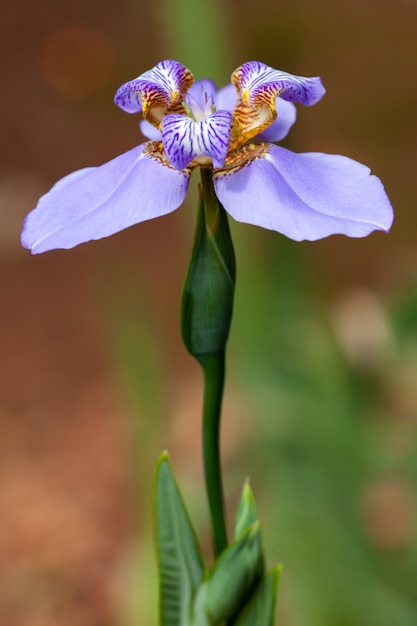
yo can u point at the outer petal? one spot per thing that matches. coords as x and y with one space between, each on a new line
157 91
99 201
305 196
185 139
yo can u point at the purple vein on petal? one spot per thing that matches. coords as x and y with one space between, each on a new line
259 84
185 139
156 91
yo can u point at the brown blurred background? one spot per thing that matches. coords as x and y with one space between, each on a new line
94 380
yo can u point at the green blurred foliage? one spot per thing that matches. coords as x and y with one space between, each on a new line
332 442
326 433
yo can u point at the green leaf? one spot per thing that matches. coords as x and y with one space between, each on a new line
181 569
260 610
233 575
199 615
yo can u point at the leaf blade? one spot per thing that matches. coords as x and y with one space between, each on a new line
260 609
180 565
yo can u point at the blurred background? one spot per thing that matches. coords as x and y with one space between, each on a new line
321 399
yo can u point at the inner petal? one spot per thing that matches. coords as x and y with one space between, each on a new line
252 120
258 86
201 107
156 92
202 90
186 140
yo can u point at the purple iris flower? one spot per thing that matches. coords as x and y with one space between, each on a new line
303 196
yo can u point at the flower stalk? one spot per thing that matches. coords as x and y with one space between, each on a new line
214 371
206 313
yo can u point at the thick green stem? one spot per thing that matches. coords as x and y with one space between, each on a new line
214 370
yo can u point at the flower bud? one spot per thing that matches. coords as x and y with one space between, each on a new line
207 299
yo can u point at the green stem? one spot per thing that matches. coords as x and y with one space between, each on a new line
206 314
214 373
214 370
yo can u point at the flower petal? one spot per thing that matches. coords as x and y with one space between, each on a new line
149 131
287 114
259 85
200 87
185 139
99 201
226 98
156 92
305 196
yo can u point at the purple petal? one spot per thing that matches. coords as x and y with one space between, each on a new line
162 88
260 85
185 139
204 85
305 196
99 201
287 114
226 98
149 131
128 97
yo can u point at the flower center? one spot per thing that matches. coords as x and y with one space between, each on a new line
198 108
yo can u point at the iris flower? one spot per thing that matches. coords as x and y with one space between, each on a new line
232 131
